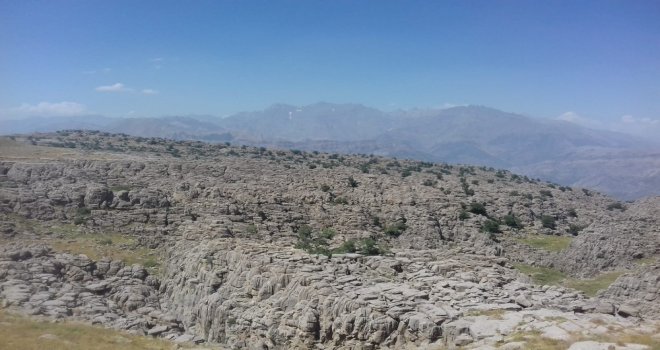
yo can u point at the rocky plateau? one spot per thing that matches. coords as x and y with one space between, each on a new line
254 248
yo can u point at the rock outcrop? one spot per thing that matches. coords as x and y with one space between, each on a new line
390 253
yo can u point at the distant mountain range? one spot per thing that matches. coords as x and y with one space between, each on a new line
618 164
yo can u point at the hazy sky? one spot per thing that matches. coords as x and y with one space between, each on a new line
591 59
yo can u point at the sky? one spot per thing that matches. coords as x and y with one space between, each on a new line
592 62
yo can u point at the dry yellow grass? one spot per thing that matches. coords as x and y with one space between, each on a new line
590 287
23 333
69 238
536 341
546 242
115 246
21 149
495 314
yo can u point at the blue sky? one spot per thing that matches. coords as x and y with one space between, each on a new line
595 61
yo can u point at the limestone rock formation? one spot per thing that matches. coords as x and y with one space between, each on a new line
256 248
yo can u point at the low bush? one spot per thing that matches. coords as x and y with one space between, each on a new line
548 221
477 208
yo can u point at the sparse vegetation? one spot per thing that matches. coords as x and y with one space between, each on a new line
346 247
341 200
314 242
616 205
541 275
319 243
477 208
549 276
463 215
592 286
547 242
82 215
512 221
491 226
429 182
396 229
225 213
574 229
548 221
22 333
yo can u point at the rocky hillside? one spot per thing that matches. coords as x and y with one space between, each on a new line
256 248
618 164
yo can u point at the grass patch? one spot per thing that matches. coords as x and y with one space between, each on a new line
646 261
546 275
547 242
534 340
591 286
22 333
112 245
636 338
495 314
541 275
23 149
73 239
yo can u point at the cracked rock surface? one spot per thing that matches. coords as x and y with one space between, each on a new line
224 222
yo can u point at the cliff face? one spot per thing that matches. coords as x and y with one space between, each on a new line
250 247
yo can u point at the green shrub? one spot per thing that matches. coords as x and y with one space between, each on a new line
491 226
429 182
105 241
327 233
548 221
545 193
396 229
616 205
352 182
463 215
370 247
575 229
341 200
346 247
512 221
314 243
78 220
572 213
252 229
325 188
304 232
83 211
150 263
477 208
